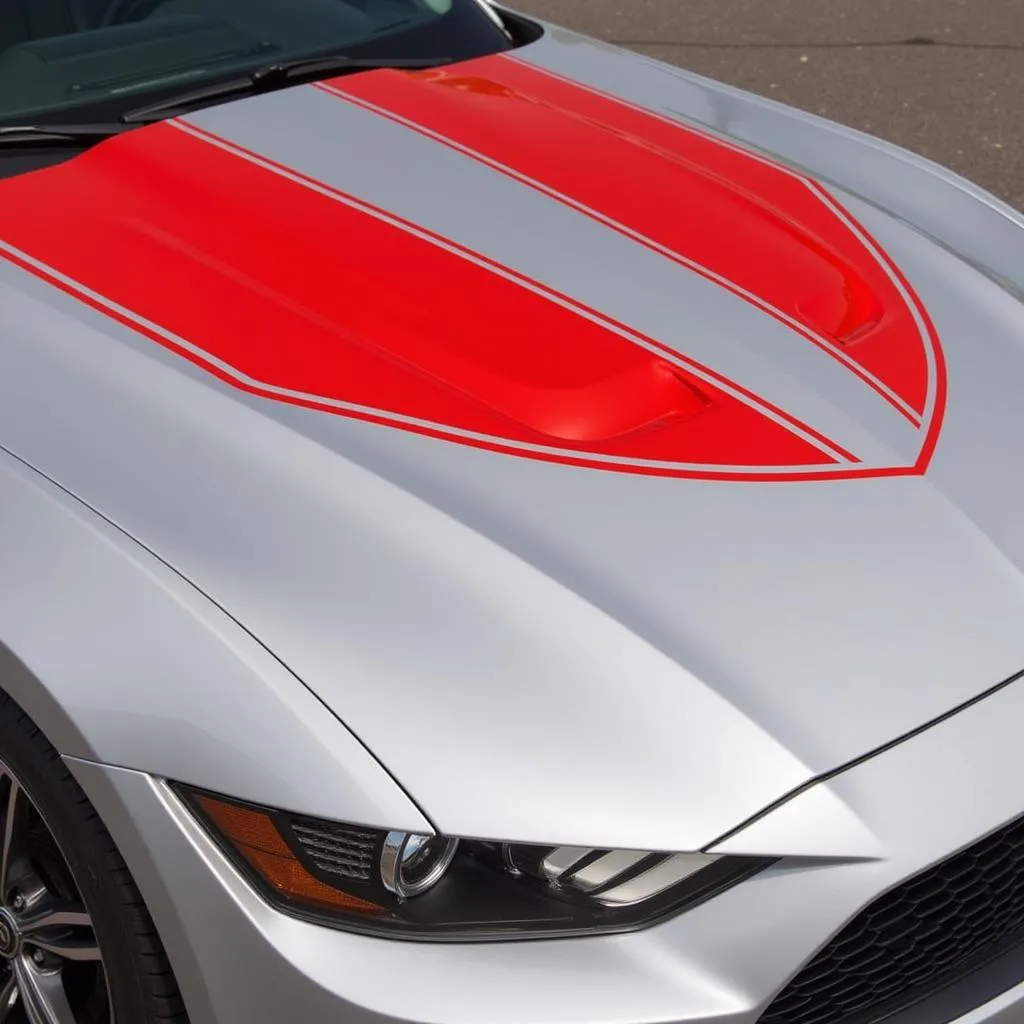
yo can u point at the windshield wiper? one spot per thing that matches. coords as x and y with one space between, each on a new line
274 76
58 134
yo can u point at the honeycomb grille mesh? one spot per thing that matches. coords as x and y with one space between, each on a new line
914 940
336 849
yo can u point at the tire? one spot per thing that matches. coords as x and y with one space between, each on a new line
102 963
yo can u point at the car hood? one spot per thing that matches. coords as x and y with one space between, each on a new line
609 478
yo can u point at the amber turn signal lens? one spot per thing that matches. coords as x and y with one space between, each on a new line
256 838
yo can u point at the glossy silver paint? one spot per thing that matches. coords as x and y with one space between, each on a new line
185 689
720 962
335 618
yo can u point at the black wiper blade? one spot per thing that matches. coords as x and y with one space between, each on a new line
274 76
291 69
58 134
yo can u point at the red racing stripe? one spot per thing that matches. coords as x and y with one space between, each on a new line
294 291
747 223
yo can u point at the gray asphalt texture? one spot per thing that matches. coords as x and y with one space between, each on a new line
942 77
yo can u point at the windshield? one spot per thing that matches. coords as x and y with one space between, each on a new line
87 60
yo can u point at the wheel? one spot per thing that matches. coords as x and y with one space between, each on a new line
76 943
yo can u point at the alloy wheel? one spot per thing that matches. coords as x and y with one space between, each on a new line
51 966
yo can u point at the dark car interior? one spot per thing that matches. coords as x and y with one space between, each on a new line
67 54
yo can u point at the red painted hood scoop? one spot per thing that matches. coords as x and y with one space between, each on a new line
735 216
573 402
746 221
292 289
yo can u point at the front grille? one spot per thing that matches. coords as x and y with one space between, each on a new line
336 849
916 939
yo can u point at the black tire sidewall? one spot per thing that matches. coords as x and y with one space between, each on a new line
88 850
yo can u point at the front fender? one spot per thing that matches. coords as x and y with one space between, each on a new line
120 660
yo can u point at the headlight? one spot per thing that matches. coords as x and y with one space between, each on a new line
436 887
411 864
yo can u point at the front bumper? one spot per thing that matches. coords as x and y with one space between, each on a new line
237 960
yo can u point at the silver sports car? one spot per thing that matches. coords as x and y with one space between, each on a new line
493 530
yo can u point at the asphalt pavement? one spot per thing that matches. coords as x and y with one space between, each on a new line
942 77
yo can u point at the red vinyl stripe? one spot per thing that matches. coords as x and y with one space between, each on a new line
939 383
527 357
934 424
316 293
750 225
